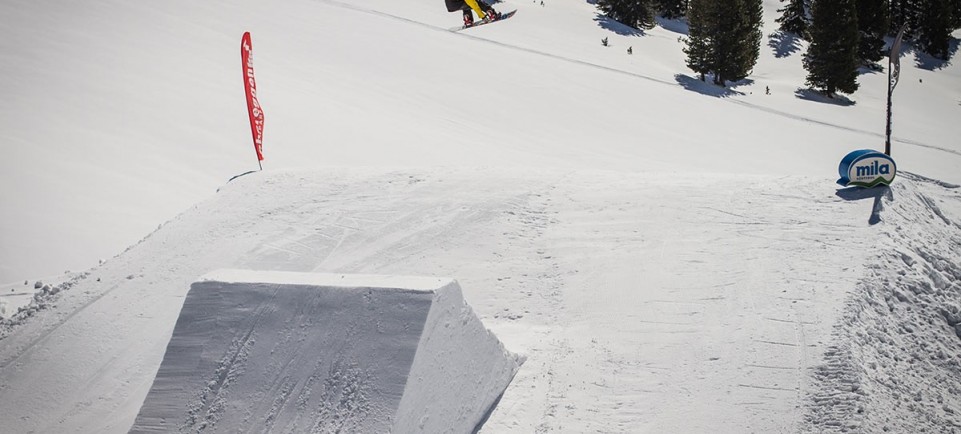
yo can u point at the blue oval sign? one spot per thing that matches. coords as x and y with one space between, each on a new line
866 168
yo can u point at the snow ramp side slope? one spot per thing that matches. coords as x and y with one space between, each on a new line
302 352
895 365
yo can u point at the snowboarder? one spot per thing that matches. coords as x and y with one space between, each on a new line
484 10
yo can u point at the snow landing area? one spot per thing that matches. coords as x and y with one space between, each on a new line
642 302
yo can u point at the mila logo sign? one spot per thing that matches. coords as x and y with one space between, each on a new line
866 168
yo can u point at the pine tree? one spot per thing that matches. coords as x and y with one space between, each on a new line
794 18
934 27
638 14
929 23
905 12
753 22
700 58
955 14
672 9
737 38
831 59
724 37
873 23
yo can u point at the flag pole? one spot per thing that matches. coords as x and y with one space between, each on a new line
887 139
894 73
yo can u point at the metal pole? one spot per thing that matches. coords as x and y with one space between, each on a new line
894 73
887 140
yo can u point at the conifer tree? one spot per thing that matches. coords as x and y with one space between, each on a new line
873 23
699 55
929 23
794 18
753 21
672 9
832 58
738 41
724 38
904 12
638 14
955 14
934 27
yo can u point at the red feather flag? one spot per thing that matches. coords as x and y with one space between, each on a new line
250 88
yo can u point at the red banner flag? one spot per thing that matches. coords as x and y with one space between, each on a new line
250 88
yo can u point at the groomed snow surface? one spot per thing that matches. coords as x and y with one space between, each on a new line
296 352
668 256
642 303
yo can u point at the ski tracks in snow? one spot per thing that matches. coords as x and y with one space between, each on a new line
492 243
694 315
672 304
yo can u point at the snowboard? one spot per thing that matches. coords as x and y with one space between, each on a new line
504 16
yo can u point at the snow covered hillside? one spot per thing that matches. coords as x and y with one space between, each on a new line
123 114
669 256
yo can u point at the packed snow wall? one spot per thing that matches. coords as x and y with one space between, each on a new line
300 352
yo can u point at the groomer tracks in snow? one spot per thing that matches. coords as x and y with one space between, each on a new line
303 352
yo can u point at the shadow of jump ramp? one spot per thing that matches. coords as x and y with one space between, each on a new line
286 352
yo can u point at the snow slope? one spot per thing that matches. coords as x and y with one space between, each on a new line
123 114
304 352
669 256
642 302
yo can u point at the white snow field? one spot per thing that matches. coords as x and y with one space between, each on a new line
668 256
299 352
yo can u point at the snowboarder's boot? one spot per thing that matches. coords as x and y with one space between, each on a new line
468 18
492 15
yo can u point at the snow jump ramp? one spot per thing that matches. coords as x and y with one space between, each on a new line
297 352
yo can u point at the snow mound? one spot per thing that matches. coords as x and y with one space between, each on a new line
301 352
896 365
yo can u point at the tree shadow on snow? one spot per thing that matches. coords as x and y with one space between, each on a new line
676 26
784 43
876 193
926 61
875 68
816 96
708 88
622 29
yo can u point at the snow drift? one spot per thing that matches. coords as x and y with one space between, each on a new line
299 352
